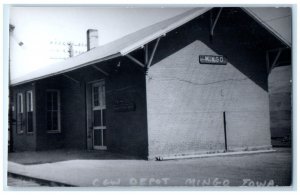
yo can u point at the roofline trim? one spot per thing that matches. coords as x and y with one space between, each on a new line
67 70
124 51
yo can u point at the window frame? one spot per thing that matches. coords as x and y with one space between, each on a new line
58 130
20 94
31 102
21 109
29 110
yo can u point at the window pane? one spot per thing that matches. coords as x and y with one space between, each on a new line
96 102
97 117
55 100
19 123
20 118
29 100
104 117
52 110
97 137
96 96
19 103
103 95
49 120
49 100
104 137
55 120
29 122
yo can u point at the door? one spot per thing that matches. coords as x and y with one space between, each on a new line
99 116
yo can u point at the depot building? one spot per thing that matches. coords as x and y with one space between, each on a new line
195 83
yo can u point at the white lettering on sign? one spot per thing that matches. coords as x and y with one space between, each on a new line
209 59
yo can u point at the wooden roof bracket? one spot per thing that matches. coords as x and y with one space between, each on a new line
135 60
71 78
214 23
270 66
147 61
153 52
100 70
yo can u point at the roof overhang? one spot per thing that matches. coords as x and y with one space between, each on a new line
164 31
117 48
278 21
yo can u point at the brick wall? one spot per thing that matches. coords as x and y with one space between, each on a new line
127 130
186 99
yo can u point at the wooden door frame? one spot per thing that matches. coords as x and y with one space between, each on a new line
89 116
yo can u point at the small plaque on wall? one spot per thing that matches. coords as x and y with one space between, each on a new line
124 106
214 60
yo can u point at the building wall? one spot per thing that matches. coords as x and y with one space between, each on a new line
186 99
127 130
280 101
24 141
74 115
46 140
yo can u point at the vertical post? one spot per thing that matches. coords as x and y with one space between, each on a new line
10 122
10 98
225 131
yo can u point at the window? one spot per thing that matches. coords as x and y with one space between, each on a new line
29 111
20 115
53 111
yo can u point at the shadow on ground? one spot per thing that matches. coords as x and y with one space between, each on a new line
51 156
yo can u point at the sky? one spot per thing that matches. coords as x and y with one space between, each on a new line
45 31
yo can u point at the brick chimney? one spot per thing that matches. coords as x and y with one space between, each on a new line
92 38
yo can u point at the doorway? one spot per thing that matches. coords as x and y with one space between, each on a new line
98 116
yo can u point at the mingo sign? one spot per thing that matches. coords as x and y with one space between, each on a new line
210 59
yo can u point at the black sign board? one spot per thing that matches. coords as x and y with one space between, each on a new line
210 59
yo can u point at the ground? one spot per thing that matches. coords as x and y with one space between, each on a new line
11 181
262 169
51 156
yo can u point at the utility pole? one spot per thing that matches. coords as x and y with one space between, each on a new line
10 98
11 121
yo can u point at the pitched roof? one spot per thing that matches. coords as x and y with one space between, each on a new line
119 47
276 20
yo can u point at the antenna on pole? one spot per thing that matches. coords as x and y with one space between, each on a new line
70 49
61 50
